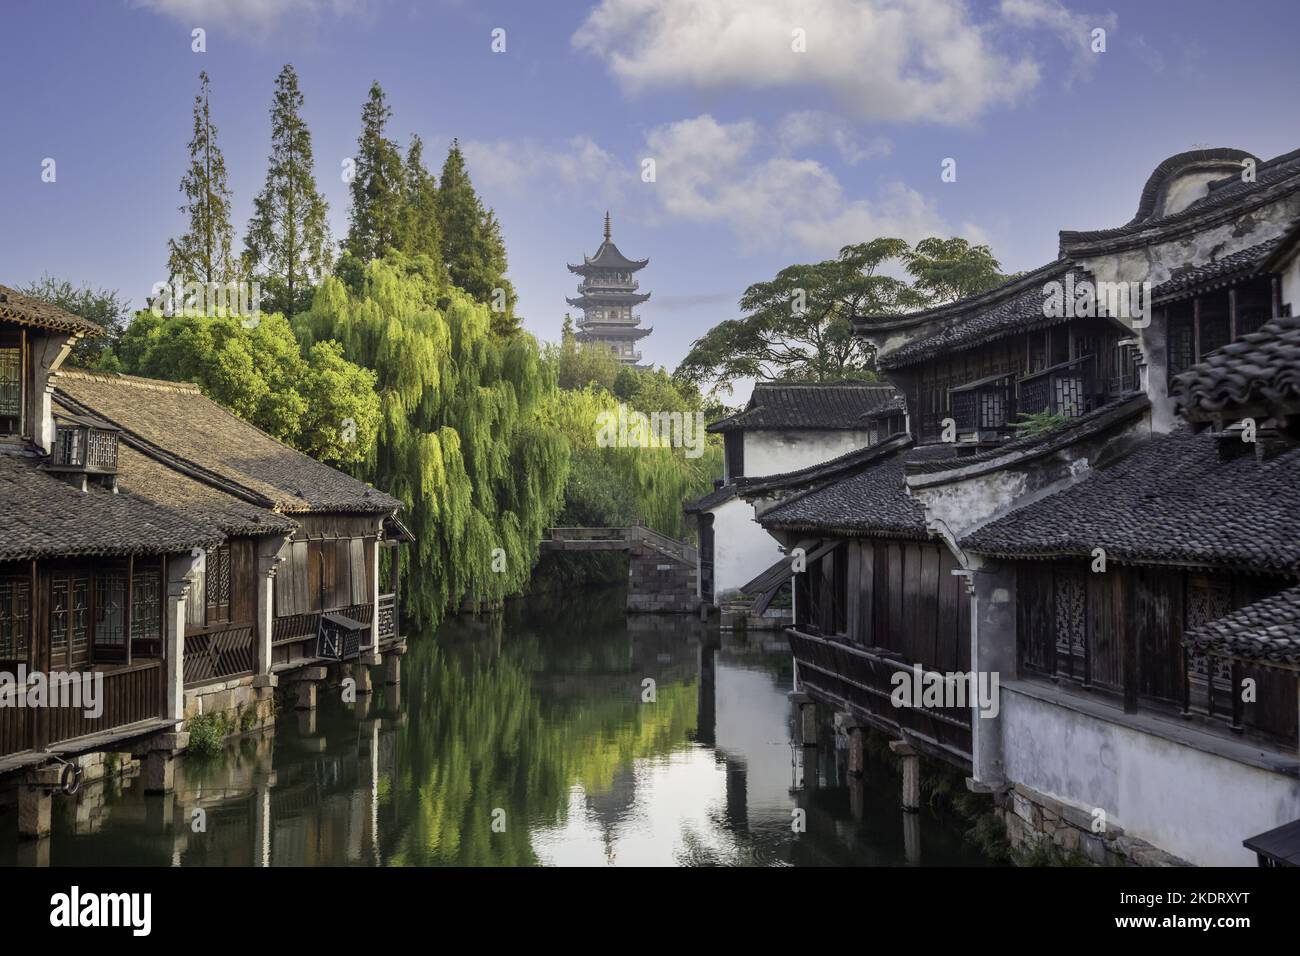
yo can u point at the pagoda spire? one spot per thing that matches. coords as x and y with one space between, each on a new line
607 236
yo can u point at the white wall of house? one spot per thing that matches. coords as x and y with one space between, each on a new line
1291 283
741 548
773 451
1186 801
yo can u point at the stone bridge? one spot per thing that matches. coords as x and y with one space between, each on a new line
662 573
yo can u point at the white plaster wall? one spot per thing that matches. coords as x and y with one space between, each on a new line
1291 284
774 452
741 548
1182 800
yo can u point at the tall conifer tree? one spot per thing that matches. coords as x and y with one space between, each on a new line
203 253
472 244
421 234
378 201
287 246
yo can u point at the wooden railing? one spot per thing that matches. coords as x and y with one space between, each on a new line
130 694
983 405
387 618
297 627
862 681
219 655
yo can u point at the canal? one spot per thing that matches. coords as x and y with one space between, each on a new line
555 733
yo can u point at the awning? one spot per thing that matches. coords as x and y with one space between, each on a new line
1279 847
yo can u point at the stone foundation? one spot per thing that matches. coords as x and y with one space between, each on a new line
236 698
1030 817
660 585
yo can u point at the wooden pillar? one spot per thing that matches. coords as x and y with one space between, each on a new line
911 766
1196 328
1277 297
1232 314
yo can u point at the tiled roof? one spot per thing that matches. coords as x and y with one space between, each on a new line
1261 370
824 406
181 427
710 501
872 501
1170 501
150 480
21 308
45 516
983 319
1281 171
1266 632
1230 268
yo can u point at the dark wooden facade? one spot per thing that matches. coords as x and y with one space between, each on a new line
1069 368
1119 634
868 608
83 616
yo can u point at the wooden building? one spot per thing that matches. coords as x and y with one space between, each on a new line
153 541
1129 580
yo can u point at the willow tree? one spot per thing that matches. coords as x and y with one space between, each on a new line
461 442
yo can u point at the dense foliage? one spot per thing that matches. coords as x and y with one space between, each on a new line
797 327
312 399
462 440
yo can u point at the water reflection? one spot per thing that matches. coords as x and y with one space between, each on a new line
538 721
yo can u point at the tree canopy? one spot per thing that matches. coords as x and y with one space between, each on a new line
797 326
105 307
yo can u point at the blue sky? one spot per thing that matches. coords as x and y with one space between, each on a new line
764 155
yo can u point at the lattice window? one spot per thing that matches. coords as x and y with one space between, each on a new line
1071 603
1182 346
217 574
110 610
15 618
1070 395
11 388
69 620
1208 601
146 613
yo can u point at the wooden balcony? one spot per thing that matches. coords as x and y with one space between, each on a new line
861 680
1067 388
983 406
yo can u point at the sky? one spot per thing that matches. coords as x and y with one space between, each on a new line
779 130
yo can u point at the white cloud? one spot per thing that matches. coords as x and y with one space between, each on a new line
237 14
897 60
1073 30
580 168
805 128
709 172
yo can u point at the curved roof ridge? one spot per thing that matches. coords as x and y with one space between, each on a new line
134 381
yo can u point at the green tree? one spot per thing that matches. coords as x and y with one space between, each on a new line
287 246
318 403
578 365
461 441
946 270
203 253
377 187
104 307
472 244
421 234
798 325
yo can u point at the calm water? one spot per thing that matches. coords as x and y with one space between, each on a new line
532 720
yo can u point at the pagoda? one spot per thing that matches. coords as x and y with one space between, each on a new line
606 296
